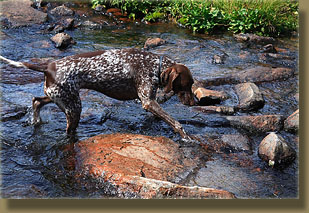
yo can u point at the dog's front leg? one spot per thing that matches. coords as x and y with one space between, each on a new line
153 107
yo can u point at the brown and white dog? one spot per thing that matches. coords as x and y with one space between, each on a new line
123 74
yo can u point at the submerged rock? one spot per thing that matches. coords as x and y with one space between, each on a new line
62 40
127 165
19 13
219 59
250 97
275 151
291 124
237 142
257 124
9 111
227 110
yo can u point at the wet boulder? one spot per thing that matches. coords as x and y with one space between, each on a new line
209 97
275 150
257 124
138 166
19 13
291 124
154 42
62 40
250 97
255 75
254 39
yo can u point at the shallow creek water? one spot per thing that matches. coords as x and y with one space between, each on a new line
34 159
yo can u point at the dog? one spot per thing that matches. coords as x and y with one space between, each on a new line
123 74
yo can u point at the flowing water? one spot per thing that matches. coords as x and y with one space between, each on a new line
34 160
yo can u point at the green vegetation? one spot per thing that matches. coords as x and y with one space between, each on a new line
262 17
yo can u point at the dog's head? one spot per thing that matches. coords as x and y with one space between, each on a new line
179 79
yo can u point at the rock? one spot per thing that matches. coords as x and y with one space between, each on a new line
137 166
219 59
254 39
257 124
19 13
209 97
264 74
11 111
58 29
275 56
67 23
291 124
275 151
269 48
154 42
250 97
244 54
91 25
61 11
227 110
254 75
62 40
237 142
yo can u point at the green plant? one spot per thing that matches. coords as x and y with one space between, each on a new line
263 17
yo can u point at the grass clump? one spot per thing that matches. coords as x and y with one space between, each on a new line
262 17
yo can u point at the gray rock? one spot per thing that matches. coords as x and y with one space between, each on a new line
250 97
275 151
61 11
62 40
291 124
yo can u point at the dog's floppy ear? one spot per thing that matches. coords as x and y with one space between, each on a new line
167 78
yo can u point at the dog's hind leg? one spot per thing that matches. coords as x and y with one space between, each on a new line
37 104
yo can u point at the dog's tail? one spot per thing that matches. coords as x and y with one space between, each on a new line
40 67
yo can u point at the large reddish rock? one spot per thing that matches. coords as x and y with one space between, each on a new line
19 13
257 124
275 150
137 166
